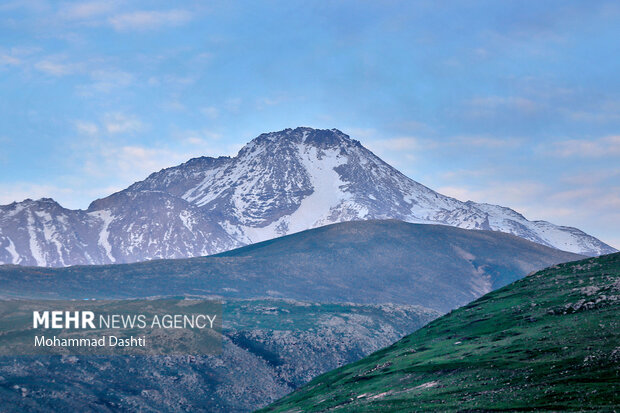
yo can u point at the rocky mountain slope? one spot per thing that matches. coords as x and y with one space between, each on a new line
369 262
549 342
279 183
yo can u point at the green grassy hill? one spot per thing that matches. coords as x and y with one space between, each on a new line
550 341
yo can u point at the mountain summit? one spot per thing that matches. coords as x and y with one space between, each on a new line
279 183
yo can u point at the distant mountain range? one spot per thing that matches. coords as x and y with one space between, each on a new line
366 262
279 183
549 342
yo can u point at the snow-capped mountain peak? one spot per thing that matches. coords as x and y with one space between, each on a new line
279 183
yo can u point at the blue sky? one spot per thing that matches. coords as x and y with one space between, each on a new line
510 102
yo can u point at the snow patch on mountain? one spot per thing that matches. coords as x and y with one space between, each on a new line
11 249
35 248
314 210
106 217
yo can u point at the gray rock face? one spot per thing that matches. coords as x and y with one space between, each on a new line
279 183
44 233
139 225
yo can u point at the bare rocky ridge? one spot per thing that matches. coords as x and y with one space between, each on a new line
279 183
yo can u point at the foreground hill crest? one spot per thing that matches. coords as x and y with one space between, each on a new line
279 183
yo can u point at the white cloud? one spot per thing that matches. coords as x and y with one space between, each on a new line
490 105
359 133
18 191
469 173
86 128
72 195
170 80
586 148
126 164
105 81
513 194
55 68
193 140
149 20
6 60
598 112
210 111
88 10
38 6
233 104
596 177
400 144
120 123
199 137
413 143
484 141
173 105
271 101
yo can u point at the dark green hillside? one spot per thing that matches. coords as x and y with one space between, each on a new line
550 341
369 262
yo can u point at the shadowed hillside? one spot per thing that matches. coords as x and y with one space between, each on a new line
370 262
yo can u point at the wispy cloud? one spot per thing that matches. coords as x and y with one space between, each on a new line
592 177
358 133
408 143
173 105
18 191
37 6
586 148
6 60
490 105
261 103
121 123
129 163
150 20
233 104
199 137
86 11
605 111
412 143
86 128
514 194
105 81
55 68
277 98
126 164
482 141
210 112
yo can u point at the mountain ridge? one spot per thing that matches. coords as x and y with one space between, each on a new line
435 266
279 183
